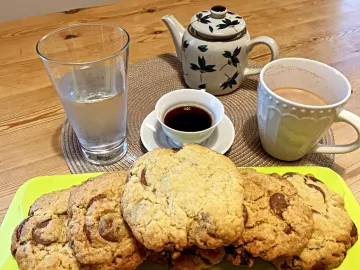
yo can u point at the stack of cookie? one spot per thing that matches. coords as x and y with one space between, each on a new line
185 206
78 228
188 209
293 220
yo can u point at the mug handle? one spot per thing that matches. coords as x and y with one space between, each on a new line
354 121
261 40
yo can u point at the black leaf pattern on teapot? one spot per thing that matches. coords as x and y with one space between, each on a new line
203 48
232 13
230 81
227 23
202 67
211 29
203 19
185 44
232 58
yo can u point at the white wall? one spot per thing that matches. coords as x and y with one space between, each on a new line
17 9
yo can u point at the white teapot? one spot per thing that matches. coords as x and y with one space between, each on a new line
214 49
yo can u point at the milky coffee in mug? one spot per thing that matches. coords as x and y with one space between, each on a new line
298 100
301 96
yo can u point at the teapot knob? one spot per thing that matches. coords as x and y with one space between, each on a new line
218 12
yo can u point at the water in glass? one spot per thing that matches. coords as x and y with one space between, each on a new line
87 64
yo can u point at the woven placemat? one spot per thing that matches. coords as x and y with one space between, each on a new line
148 81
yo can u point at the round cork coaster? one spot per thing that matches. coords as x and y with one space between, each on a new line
148 81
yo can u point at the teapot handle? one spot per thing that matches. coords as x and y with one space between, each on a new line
261 40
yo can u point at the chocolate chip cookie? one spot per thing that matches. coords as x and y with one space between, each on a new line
277 223
334 232
40 242
96 228
176 199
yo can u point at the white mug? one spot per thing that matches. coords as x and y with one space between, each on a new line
289 130
189 96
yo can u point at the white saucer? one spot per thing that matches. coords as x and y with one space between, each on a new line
220 141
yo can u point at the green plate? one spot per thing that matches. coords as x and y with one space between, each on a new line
35 187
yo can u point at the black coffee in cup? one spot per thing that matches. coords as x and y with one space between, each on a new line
188 118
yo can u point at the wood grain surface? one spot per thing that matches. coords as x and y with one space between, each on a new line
31 114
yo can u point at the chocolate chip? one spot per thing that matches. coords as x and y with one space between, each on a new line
289 174
43 224
245 214
30 213
107 230
20 227
37 234
319 266
313 178
13 251
96 198
314 211
354 231
17 233
317 188
278 203
287 230
143 177
205 260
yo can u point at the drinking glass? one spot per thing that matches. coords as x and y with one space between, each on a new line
87 65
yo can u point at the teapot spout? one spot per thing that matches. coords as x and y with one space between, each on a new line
176 30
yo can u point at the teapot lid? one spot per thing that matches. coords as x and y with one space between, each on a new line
217 23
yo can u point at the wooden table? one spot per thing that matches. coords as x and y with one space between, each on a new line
31 114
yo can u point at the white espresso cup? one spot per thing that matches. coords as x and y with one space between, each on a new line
180 97
289 130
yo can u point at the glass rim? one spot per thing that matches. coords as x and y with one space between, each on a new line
46 59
